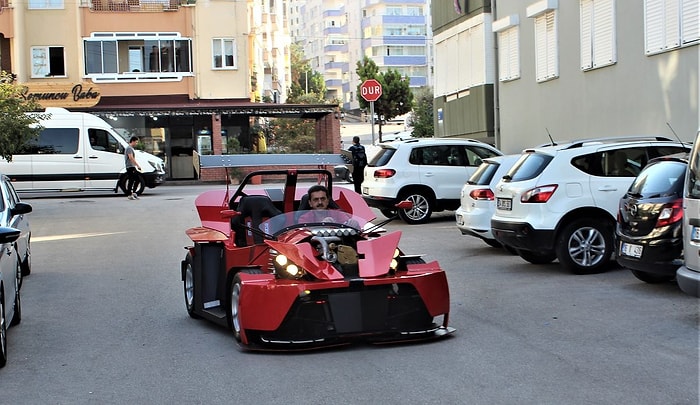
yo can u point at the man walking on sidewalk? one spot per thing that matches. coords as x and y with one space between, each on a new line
132 176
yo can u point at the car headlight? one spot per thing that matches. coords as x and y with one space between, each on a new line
285 268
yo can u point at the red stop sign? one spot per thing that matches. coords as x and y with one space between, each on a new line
370 90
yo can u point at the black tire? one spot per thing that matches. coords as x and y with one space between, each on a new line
234 300
141 185
652 278
3 329
421 211
17 316
27 261
493 243
388 213
585 246
188 287
537 257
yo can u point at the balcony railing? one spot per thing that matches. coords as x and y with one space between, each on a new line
136 6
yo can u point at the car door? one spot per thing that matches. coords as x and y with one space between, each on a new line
18 221
443 168
105 159
615 169
59 161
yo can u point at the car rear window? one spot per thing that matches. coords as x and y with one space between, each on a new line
484 173
528 166
382 157
660 179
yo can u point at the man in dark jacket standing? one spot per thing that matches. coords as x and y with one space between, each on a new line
359 161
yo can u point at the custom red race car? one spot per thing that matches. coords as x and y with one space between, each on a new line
279 279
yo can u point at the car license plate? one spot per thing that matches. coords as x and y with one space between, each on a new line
365 190
460 220
695 234
505 204
628 249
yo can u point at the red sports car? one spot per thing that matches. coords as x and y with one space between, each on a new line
279 279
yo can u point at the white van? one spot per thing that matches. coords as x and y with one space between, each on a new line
76 152
688 275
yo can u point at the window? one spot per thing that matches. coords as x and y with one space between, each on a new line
597 33
546 50
48 61
111 57
46 4
670 24
508 33
224 53
104 141
53 141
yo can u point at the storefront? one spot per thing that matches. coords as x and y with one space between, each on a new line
172 127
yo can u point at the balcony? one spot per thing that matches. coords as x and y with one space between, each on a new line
135 6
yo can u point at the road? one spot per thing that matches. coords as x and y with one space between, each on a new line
104 322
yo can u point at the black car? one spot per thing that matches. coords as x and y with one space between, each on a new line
649 221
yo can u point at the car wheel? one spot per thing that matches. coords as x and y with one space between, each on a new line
188 286
493 243
140 185
3 330
27 262
652 278
585 246
17 316
537 257
421 211
235 301
388 213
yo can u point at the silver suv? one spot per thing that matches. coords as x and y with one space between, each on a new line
429 172
560 201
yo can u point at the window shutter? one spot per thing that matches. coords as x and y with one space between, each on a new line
604 34
690 28
653 19
586 7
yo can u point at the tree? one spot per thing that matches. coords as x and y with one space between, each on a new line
422 118
16 127
396 99
308 86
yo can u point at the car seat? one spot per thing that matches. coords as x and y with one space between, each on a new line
254 210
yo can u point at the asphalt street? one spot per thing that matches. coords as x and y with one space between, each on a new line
104 322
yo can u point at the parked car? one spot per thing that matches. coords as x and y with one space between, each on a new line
429 172
10 276
263 264
477 199
650 221
560 201
13 215
688 275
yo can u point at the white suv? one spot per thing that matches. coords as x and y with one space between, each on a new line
560 201
429 172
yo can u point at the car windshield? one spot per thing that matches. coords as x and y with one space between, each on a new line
529 166
663 178
484 173
312 219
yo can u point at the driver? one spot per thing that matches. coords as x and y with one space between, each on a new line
319 201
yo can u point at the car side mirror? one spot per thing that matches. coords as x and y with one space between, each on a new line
228 214
21 208
404 205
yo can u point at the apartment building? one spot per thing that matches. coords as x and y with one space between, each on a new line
517 72
335 35
180 75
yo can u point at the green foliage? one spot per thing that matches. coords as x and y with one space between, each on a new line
294 135
396 98
422 118
16 127
308 86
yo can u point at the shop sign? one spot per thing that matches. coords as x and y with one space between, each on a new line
62 95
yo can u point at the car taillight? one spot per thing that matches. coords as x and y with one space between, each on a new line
384 173
670 213
482 194
538 194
